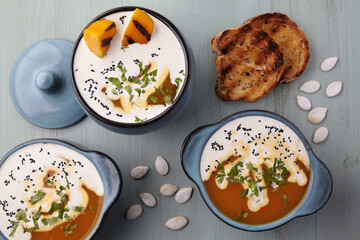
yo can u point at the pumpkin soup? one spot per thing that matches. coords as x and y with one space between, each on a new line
255 169
49 192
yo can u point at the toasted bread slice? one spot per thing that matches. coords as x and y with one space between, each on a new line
248 63
290 38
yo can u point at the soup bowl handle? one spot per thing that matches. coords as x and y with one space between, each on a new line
109 172
191 151
321 188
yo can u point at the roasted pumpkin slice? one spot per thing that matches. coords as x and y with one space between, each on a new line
139 29
99 35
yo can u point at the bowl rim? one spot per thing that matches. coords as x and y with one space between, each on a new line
186 82
81 150
264 113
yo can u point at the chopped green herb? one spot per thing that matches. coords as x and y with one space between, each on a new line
158 92
243 214
68 229
37 197
49 221
221 168
182 72
122 68
244 192
139 120
235 171
48 181
16 224
123 48
236 218
114 91
61 212
79 209
67 183
146 81
265 159
275 189
285 199
134 79
37 214
178 81
35 221
167 99
54 207
91 207
220 177
153 73
152 99
128 89
62 188
67 217
21 215
131 97
138 90
250 166
115 81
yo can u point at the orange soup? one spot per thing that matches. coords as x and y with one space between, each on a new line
255 170
49 192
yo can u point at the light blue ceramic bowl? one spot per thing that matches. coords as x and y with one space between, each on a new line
108 170
319 189
166 116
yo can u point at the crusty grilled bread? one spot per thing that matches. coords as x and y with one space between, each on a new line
290 38
248 63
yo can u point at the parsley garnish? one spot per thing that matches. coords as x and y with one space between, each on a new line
139 120
67 183
68 229
37 197
78 208
50 221
114 91
21 215
54 207
116 82
128 89
123 48
152 99
48 181
285 199
167 99
243 214
138 90
244 192
16 224
221 175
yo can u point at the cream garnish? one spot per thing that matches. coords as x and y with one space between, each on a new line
257 140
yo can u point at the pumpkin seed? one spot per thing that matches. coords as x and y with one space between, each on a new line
183 195
303 102
310 86
316 115
161 165
168 189
328 63
320 134
176 223
148 199
134 212
139 172
334 89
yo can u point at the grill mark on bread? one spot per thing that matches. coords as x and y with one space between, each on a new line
290 38
248 63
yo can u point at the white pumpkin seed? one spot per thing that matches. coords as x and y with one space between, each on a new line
134 212
303 102
148 199
328 63
316 115
168 189
334 89
183 195
310 86
320 134
139 172
161 165
176 223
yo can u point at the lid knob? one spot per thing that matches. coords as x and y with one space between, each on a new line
45 80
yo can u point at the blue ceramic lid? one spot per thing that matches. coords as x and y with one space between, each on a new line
40 85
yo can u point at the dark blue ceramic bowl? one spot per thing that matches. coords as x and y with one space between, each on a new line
170 113
319 189
108 170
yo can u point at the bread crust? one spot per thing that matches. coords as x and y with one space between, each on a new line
248 63
290 38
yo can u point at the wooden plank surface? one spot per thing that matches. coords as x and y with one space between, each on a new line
332 28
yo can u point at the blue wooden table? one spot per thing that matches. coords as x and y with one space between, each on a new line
332 28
